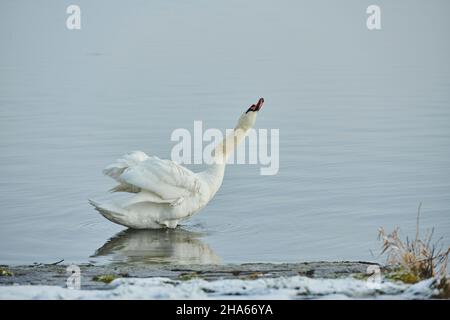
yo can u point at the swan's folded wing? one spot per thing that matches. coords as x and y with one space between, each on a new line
163 177
130 159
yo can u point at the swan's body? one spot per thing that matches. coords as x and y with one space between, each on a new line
166 192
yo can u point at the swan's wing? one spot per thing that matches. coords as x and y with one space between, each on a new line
130 159
165 178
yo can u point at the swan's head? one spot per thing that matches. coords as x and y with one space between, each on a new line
248 119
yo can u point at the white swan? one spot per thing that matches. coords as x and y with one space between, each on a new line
166 192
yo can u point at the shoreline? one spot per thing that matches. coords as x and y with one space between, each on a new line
305 280
56 275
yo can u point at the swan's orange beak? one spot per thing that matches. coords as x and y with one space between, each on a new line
257 106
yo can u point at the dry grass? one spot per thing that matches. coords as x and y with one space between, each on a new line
415 259
5 272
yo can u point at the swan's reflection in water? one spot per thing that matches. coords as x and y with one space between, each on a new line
174 246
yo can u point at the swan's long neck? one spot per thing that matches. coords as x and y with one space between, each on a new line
224 149
215 172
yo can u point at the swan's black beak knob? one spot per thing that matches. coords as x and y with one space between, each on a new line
257 106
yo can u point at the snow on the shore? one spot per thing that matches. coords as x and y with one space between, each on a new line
297 287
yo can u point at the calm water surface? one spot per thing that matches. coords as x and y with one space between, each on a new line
364 120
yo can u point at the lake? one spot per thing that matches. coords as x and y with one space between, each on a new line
363 116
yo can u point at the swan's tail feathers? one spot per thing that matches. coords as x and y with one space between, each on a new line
131 159
110 211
